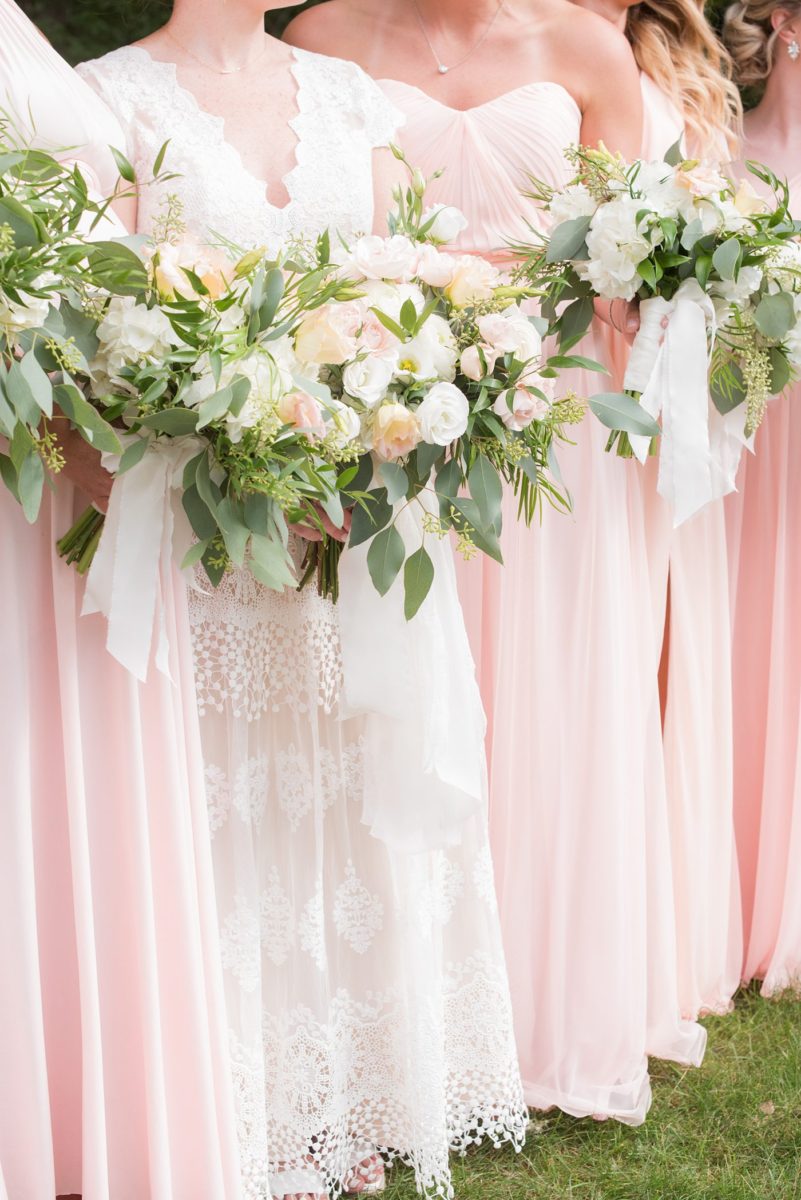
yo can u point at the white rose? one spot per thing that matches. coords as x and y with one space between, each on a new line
448 222
511 332
133 334
368 378
435 268
384 258
517 407
616 246
443 414
473 279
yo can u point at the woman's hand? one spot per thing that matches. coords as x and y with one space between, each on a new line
622 315
82 465
311 533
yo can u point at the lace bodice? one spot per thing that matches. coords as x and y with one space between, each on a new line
342 115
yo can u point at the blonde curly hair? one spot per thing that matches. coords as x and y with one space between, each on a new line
751 39
674 43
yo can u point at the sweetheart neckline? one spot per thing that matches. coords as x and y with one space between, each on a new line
475 108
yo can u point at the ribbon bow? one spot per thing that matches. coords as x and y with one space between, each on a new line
126 579
669 366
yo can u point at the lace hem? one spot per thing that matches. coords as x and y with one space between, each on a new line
320 1097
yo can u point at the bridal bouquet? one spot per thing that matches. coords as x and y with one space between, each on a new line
452 393
707 260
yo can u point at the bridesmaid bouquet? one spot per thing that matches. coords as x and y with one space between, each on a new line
706 259
52 256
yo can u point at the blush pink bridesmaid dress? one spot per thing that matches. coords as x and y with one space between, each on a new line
688 579
764 522
113 1056
577 810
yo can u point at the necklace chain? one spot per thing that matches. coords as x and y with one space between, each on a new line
208 66
441 67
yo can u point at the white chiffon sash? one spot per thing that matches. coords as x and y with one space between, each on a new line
414 681
669 365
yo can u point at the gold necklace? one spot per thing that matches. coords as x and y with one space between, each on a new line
208 66
441 67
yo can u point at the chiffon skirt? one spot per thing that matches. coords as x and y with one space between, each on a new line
765 534
113 1059
577 804
688 581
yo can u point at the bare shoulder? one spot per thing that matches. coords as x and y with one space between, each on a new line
336 27
593 40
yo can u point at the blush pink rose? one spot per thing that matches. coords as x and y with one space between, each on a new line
396 431
303 412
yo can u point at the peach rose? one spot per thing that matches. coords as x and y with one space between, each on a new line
329 334
302 411
396 431
473 279
214 269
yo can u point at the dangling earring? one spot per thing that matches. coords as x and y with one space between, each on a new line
794 50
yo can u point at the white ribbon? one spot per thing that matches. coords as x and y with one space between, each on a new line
413 682
669 365
137 547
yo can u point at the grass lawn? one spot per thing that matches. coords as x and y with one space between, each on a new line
729 1131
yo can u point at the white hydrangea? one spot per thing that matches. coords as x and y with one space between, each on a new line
575 201
131 334
30 314
616 246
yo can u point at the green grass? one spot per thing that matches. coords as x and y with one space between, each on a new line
729 1131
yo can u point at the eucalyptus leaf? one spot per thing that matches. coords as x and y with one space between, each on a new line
449 479
575 321
369 516
616 410
21 397
258 510
485 539
177 422
774 316
674 154
271 563
418 575
133 453
727 387
427 456
30 482
8 475
200 518
395 479
726 258
194 555
568 240
780 371
385 558
486 489
236 534
88 421
566 361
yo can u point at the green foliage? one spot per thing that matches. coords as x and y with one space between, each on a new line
729 1131
85 29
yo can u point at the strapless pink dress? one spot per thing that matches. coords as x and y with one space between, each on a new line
574 719
764 525
687 569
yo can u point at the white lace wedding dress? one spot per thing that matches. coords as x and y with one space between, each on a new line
366 988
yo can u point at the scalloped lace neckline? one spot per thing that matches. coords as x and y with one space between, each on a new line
217 123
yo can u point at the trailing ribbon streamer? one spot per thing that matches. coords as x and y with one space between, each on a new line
669 365
137 548
414 685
